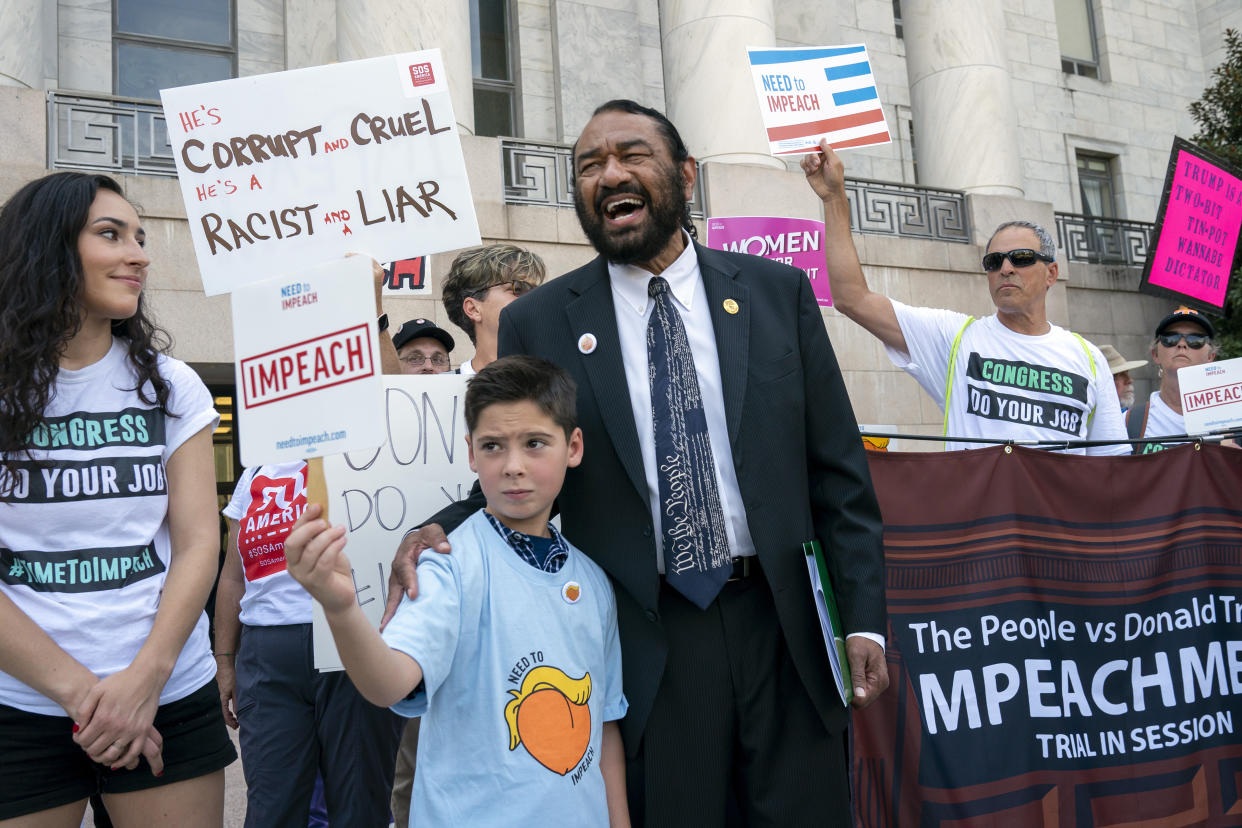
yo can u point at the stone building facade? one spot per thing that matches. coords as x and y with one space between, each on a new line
1058 111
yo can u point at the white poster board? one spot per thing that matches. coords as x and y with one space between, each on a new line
289 169
308 366
811 92
380 494
1211 396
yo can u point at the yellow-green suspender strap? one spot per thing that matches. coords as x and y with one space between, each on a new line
948 385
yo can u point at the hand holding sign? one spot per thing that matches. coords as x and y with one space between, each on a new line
315 552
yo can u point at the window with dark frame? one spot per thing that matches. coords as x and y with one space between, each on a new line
493 62
1076 35
157 44
1095 185
897 18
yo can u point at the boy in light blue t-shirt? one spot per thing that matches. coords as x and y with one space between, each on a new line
510 652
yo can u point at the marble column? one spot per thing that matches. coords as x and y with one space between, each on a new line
21 43
965 130
707 81
371 28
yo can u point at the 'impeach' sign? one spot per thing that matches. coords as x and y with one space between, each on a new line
308 374
289 169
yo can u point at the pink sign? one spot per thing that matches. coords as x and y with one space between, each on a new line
1199 231
796 242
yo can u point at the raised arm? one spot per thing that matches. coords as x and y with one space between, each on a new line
316 555
850 294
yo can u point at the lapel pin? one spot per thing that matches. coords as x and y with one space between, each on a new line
730 306
587 343
571 592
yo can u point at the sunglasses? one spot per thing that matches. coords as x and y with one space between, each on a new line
1196 341
1022 257
517 287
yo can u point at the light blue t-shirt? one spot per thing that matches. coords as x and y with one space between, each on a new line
521 670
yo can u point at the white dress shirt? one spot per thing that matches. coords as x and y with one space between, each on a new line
633 309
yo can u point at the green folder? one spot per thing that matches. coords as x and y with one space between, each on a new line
829 618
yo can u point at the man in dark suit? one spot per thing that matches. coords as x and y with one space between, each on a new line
730 690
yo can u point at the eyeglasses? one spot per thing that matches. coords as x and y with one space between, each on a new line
515 286
417 360
1196 341
1022 257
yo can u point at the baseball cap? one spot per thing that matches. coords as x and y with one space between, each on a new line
416 328
1185 314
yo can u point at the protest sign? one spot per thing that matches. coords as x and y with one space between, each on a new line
1211 396
1196 229
289 169
1065 640
407 277
308 375
796 242
380 494
806 94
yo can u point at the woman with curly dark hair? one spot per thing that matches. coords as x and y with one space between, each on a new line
108 535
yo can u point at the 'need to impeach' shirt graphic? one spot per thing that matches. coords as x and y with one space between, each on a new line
1036 384
59 480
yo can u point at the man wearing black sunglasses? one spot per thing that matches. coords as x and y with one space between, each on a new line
1011 375
1184 337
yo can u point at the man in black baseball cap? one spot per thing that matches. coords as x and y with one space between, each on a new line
422 347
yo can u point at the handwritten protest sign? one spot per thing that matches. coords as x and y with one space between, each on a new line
308 376
290 169
797 242
824 92
1198 224
1211 396
380 494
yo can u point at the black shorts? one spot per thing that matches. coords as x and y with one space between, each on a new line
42 767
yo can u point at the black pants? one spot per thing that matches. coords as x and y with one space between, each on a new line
295 721
732 737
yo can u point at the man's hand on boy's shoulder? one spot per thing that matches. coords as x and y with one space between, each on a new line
403 577
315 558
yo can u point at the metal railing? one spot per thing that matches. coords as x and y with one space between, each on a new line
1107 241
907 211
87 131
540 173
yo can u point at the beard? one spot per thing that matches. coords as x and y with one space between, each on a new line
1127 398
665 209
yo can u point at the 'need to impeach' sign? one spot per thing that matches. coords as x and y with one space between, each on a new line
1200 216
1211 396
796 242
290 169
308 376
809 93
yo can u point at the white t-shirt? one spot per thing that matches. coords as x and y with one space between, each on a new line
266 502
521 668
84 542
1162 421
1008 385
